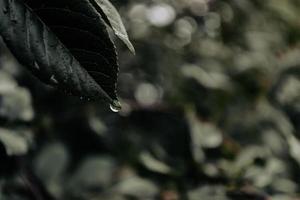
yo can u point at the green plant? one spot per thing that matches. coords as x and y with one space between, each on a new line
66 44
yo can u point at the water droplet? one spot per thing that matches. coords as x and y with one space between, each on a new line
115 106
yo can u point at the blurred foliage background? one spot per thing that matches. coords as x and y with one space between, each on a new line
211 110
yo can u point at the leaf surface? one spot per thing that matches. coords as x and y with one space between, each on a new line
113 19
63 43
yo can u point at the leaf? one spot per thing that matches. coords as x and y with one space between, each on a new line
93 173
63 43
208 79
113 19
50 165
15 142
208 192
153 164
136 187
15 101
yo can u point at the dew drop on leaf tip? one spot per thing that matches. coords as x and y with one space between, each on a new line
115 106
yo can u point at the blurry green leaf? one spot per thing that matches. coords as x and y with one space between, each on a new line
283 197
248 155
50 165
247 192
294 146
93 173
97 125
282 123
264 175
137 187
15 103
274 141
284 185
289 92
153 164
211 80
15 142
203 135
286 9
208 192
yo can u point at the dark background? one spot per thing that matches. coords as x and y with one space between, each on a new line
211 110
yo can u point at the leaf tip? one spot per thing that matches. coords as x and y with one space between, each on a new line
127 42
131 48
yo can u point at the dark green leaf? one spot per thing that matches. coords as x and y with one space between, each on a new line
64 43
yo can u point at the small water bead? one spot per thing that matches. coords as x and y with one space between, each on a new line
115 106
